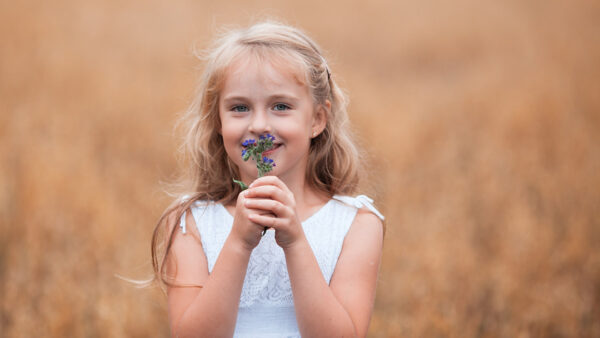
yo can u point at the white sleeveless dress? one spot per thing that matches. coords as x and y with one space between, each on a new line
266 306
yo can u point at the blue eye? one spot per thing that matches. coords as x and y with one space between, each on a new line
239 109
281 106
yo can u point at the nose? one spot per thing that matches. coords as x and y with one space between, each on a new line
260 123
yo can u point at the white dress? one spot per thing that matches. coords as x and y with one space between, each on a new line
266 304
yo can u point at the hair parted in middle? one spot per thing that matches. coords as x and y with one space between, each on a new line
333 160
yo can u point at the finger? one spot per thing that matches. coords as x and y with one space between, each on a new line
270 180
248 207
265 221
258 227
275 207
268 191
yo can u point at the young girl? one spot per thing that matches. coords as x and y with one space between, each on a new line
314 272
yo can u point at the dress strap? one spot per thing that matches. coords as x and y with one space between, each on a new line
359 202
182 223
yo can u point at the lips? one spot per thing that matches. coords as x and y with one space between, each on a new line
270 151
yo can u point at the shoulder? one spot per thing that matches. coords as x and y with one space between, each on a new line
367 228
173 213
367 224
181 211
366 217
183 240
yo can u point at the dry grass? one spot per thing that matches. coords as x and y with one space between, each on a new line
483 120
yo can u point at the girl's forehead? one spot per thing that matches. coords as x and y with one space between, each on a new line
268 63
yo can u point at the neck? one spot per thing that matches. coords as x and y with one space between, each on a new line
307 199
298 187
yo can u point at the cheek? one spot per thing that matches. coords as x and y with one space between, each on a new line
230 129
232 136
232 151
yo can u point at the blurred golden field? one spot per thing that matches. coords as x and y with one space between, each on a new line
482 121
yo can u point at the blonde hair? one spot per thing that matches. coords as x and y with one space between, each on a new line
333 163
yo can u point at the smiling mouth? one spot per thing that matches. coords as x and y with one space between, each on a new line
275 147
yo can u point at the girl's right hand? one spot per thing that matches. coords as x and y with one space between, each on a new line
245 231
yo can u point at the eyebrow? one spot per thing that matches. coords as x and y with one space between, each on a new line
287 97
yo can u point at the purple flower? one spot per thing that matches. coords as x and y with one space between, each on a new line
254 150
249 143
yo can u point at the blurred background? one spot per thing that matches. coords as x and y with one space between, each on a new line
481 118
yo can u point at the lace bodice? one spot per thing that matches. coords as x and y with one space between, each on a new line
266 303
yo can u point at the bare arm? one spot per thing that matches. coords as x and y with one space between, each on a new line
344 307
210 311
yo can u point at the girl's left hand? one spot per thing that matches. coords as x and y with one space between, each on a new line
269 193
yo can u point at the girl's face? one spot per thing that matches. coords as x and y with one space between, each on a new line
258 98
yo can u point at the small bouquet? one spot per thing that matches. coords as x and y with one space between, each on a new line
254 150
